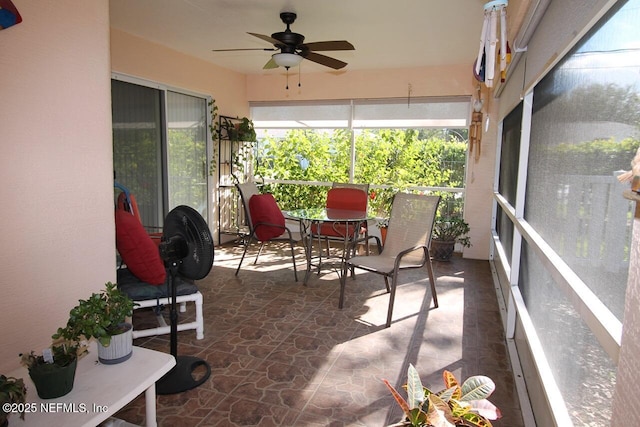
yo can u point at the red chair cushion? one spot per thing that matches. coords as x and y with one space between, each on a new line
352 199
138 250
264 209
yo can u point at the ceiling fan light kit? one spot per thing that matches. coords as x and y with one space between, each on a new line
286 60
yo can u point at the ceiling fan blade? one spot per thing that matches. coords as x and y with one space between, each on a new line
268 39
328 45
270 65
324 60
234 50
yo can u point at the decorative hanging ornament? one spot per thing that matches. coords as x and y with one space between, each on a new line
494 11
475 130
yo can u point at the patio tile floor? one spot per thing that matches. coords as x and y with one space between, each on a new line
283 354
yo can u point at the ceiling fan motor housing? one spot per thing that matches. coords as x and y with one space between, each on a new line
290 40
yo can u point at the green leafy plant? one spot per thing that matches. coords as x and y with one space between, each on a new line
382 223
451 229
238 129
389 160
246 131
12 390
214 129
100 316
456 405
53 371
68 346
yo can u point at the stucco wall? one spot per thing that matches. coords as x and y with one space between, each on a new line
141 58
57 223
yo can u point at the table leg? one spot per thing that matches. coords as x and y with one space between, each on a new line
307 242
150 406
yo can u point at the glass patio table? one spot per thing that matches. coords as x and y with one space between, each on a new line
341 220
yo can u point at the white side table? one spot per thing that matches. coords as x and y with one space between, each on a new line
99 391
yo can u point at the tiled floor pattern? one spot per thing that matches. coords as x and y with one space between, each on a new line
283 354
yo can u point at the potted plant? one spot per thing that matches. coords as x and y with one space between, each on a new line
12 391
383 224
456 405
381 202
447 231
53 372
242 130
103 316
246 131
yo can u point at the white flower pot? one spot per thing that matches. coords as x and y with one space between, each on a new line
120 348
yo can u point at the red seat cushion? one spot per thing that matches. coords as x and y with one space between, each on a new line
351 199
264 209
138 250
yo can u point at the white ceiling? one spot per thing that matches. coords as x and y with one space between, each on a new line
385 33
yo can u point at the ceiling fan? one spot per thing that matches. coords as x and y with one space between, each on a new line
293 49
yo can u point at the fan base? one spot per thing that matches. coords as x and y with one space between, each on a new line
180 378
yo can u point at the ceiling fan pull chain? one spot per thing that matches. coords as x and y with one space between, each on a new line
299 85
287 77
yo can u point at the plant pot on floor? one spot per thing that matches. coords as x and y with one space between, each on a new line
442 250
53 380
119 349
383 235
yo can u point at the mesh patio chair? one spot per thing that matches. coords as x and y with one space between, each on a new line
407 245
265 220
341 198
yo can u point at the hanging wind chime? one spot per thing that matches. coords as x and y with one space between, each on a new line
484 69
495 13
475 130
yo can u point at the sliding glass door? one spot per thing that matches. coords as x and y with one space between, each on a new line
160 148
186 151
137 146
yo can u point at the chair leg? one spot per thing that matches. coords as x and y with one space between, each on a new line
392 296
293 258
259 252
386 284
246 246
343 284
432 281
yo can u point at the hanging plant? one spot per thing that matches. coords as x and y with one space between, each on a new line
246 131
214 128
238 129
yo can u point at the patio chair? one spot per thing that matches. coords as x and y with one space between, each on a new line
265 220
407 245
350 197
364 230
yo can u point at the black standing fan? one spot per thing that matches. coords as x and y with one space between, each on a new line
187 248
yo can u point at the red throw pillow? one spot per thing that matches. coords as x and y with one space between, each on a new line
264 209
138 250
